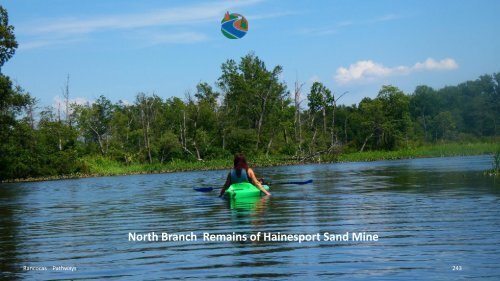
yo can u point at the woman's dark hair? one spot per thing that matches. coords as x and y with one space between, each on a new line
240 162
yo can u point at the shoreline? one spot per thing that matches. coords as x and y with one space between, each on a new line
113 168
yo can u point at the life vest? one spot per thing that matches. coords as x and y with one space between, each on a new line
242 178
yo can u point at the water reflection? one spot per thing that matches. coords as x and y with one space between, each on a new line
429 213
248 204
9 233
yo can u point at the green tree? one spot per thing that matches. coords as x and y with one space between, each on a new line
398 123
320 97
494 102
12 103
424 103
250 92
169 147
373 122
123 129
57 146
386 119
149 110
205 94
320 101
443 124
94 122
8 43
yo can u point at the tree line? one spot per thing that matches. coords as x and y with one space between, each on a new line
248 109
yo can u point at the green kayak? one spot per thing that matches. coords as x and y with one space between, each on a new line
244 189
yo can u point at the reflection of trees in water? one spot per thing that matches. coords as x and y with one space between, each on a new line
408 179
248 205
9 254
250 213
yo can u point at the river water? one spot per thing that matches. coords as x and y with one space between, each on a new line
436 219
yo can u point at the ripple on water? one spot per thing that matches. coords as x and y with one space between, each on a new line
430 214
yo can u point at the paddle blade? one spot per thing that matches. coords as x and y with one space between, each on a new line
298 182
203 189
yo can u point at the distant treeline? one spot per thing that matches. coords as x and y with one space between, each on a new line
249 110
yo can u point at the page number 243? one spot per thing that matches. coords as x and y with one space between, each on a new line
456 267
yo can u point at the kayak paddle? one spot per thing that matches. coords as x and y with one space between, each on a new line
295 182
208 189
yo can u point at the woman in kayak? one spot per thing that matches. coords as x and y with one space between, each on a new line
241 173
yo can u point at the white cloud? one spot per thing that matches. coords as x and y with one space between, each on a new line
63 30
272 15
369 70
328 30
314 78
35 44
59 103
186 15
125 102
40 43
155 38
430 64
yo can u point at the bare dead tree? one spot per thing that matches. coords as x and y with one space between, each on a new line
30 111
183 134
345 128
297 122
364 143
263 99
58 112
100 140
195 128
59 121
66 101
425 125
147 116
313 141
334 138
145 125
270 143
323 111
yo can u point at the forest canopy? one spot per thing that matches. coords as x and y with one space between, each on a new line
248 109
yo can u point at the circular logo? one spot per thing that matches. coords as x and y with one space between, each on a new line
234 26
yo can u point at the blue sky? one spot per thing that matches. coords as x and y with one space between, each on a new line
120 48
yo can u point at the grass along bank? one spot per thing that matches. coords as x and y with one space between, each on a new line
101 166
436 150
495 170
